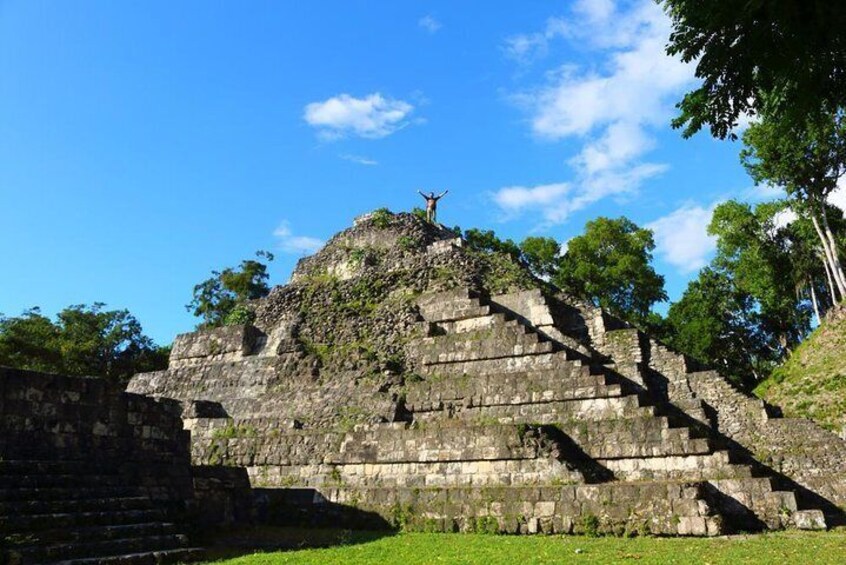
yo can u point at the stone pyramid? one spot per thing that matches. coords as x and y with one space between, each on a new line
403 377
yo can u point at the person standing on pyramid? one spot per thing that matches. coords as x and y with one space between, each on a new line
432 205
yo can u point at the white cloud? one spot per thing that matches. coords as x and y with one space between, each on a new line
526 47
300 244
838 197
764 192
784 218
518 198
359 159
612 106
682 239
373 116
429 23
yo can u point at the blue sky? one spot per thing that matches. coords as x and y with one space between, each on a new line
143 144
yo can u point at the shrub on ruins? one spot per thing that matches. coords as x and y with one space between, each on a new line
82 341
221 300
610 264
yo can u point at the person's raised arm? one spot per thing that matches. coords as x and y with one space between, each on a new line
441 195
423 195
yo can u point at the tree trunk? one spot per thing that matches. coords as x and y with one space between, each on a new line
841 287
828 278
837 267
814 300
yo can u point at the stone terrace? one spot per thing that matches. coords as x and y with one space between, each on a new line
519 412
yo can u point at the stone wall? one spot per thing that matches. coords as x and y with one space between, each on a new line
46 416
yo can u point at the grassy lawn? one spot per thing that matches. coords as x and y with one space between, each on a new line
413 548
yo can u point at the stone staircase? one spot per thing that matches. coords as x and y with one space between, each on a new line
606 417
506 428
79 512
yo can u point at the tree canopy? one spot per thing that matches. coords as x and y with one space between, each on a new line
610 265
783 56
221 299
807 159
83 341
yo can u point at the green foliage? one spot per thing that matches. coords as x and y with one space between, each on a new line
401 516
715 323
382 218
487 241
590 525
407 243
419 213
84 340
221 299
232 431
812 381
610 265
487 525
806 158
542 255
758 256
784 57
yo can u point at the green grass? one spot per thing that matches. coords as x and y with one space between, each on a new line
812 382
412 549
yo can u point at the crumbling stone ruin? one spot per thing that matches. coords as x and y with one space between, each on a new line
403 376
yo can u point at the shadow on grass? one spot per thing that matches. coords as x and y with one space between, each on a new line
291 519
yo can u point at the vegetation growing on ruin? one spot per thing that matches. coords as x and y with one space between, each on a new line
812 383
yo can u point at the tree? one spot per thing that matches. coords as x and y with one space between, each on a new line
716 324
757 255
84 340
785 56
610 265
221 299
807 159
542 255
487 240
31 341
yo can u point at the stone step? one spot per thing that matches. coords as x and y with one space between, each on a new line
454 310
453 351
525 393
675 444
32 522
52 467
496 319
773 508
64 493
40 506
59 480
610 408
492 473
89 549
107 532
809 520
520 387
676 467
157 557
658 507
555 361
